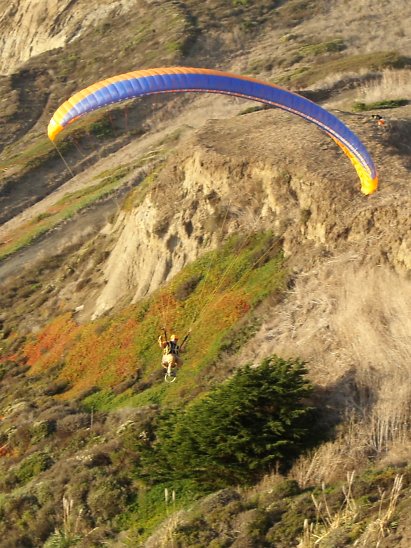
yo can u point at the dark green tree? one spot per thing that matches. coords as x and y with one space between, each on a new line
239 430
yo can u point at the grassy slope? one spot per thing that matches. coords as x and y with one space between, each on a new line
110 350
218 293
210 296
107 183
364 508
215 296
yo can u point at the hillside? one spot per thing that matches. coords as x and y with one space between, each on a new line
210 215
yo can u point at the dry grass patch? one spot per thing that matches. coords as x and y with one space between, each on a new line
392 85
304 76
340 526
333 459
353 328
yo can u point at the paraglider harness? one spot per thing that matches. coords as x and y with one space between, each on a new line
171 348
174 349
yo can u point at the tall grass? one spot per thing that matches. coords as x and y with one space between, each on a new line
352 326
326 521
320 531
379 528
393 84
72 530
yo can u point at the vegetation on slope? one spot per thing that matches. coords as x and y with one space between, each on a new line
107 183
61 211
110 469
67 360
236 432
307 75
74 425
81 429
210 297
364 509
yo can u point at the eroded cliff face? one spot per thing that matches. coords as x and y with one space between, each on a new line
251 173
31 27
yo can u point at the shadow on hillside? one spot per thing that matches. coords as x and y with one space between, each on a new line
338 401
398 137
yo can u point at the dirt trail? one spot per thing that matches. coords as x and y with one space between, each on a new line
200 111
87 223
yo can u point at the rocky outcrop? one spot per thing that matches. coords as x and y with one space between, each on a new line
254 172
31 27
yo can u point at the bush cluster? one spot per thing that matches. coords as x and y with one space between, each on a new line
252 422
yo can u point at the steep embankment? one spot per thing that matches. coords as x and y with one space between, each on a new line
29 28
262 170
79 397
346 311
259 170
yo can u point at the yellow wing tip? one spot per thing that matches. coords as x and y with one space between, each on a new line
53 129
368 185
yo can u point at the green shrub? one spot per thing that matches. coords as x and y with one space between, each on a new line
20 438
257 108
56 388
61 539
102 128
259 525
392 103
288 525
3 369
186 288
238 431
320 48
42 429
32 466
107 498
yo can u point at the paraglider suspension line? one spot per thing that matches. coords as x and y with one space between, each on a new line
64 161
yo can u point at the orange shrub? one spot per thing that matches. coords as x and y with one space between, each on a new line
50 344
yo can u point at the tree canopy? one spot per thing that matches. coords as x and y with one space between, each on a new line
234 434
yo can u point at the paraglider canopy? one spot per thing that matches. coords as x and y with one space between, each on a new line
183 79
